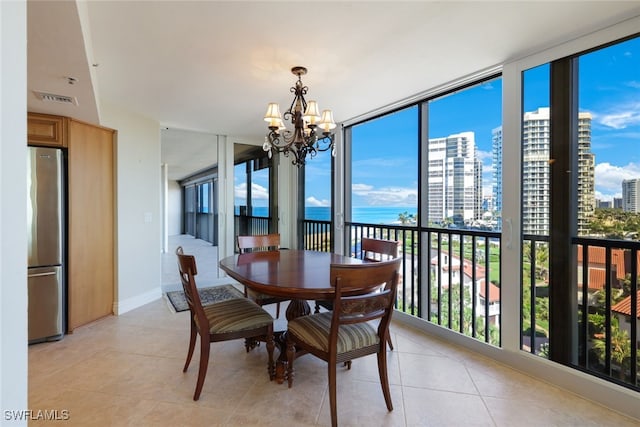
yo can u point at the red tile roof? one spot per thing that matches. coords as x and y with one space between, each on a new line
494 292
597 272
624 306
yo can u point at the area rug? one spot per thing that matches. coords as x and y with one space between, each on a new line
178 303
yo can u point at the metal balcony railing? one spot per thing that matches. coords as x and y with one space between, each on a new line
317 235
458 289
608 312
245 225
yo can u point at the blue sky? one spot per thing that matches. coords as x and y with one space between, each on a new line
385 154
385 165
610 91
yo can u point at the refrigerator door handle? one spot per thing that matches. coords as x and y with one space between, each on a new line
50 273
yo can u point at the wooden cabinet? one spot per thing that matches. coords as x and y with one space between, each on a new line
91 223
90 212
46 130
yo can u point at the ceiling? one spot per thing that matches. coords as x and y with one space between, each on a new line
207 68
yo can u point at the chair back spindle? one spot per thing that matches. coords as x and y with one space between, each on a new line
258 242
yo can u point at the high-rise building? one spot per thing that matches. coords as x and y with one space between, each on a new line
536 172
455 179
604 204
617 203
496 140
586 174
631 195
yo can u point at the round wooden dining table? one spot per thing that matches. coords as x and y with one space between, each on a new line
298 275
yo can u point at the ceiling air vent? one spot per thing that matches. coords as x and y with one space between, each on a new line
51 97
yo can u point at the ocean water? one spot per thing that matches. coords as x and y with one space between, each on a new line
368 215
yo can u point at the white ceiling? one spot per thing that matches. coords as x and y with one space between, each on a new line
201 68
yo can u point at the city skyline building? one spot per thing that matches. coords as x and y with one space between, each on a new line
586 174
455 179
617 202
496 157
631 195
536 173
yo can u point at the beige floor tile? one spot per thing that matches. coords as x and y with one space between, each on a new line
361 403
433 408
436 373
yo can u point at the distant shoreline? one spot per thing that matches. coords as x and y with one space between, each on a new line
388 215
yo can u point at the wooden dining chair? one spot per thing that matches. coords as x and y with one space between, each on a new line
346 333
222 321
260 242
371 250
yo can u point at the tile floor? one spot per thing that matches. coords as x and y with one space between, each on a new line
127 371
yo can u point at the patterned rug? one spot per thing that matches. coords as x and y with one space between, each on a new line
177 301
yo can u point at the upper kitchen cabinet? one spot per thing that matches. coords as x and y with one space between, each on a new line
46 130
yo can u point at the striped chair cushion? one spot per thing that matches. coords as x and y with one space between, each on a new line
235 315
314 330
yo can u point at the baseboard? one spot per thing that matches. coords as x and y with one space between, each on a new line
121 307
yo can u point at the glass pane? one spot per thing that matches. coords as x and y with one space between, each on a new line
464 158
384 188
317 187
240 188
609 99
317 203
464 175
260 193
609 189
535 192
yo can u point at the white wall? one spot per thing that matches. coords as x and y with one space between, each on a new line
175 208
139 218
13 209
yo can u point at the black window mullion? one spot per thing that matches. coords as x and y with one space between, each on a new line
563 164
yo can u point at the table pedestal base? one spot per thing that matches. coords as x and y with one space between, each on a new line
296 308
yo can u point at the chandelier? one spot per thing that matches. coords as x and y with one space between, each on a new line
311 132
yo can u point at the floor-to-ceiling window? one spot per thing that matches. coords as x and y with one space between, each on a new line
462 202
580 133
200 213
535 205
316 208
429 176
384 169
253 193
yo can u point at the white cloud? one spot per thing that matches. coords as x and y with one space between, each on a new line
257 191
609 178
389 196
485 156
634 84
312 201
361 188
622 117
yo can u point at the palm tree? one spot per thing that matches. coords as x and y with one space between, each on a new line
406 218
620 349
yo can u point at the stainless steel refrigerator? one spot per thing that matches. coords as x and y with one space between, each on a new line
46 242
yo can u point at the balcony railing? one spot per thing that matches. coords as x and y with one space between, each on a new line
245 225
607 295
460 287
535 294
317 235
606 290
